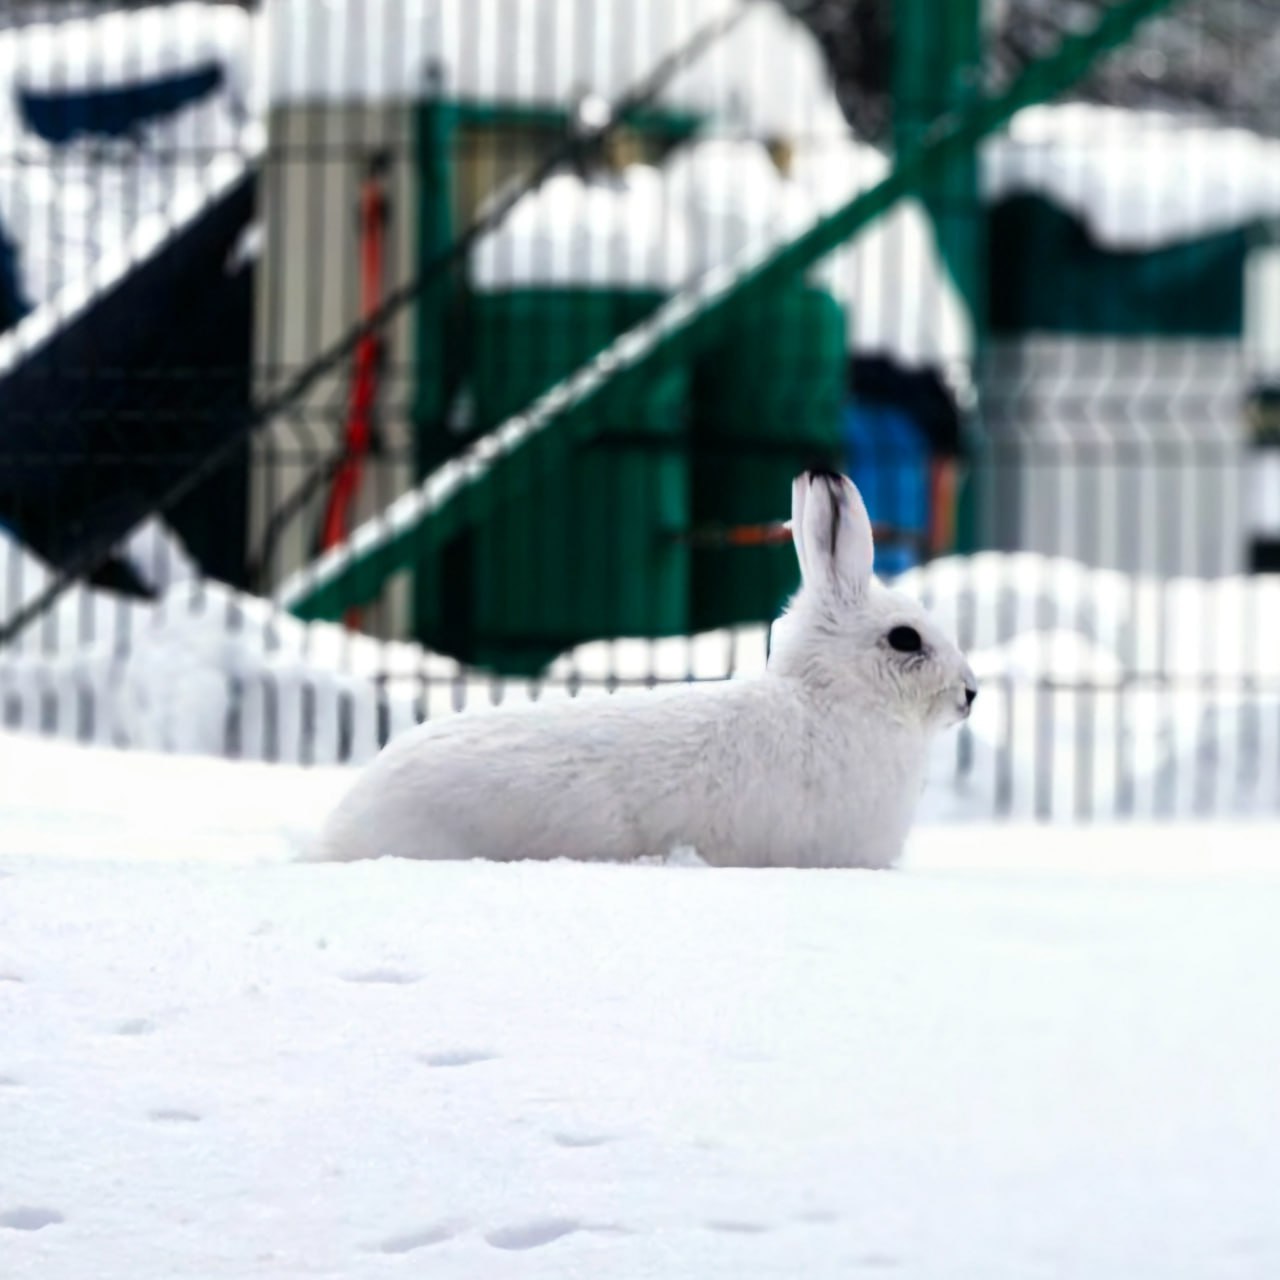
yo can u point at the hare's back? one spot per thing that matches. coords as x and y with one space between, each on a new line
566 779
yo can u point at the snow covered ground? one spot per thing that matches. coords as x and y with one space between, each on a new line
1031 1052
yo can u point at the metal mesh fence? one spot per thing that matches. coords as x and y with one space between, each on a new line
296 303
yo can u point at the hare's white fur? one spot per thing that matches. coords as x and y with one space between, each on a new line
817 763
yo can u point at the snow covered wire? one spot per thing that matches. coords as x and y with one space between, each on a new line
578 142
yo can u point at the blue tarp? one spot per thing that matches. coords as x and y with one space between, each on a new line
115 111
133 392
888 458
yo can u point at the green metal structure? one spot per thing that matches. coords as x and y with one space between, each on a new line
767 399
1193 288
508 603
938 71
578 536
450 531
442 127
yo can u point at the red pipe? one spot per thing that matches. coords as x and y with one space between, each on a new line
364 384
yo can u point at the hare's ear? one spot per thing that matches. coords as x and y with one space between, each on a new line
799 490
835 534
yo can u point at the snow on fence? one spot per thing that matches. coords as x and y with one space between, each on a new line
1103 694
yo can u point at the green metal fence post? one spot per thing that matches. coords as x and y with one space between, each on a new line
435 126
937 70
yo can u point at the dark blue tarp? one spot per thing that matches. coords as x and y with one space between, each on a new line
114 111
13 303
130 394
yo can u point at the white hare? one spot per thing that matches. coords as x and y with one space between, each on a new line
818 762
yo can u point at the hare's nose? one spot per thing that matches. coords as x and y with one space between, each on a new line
969 694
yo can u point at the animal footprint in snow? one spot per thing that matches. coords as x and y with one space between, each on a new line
423 1239
736 1227
173 1115
820 1216
577 1140
390 977
136 1027
11 977
29 1218
458 1057
532 1235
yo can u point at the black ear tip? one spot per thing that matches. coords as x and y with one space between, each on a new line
823 470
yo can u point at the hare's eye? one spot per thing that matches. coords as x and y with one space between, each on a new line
905 640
